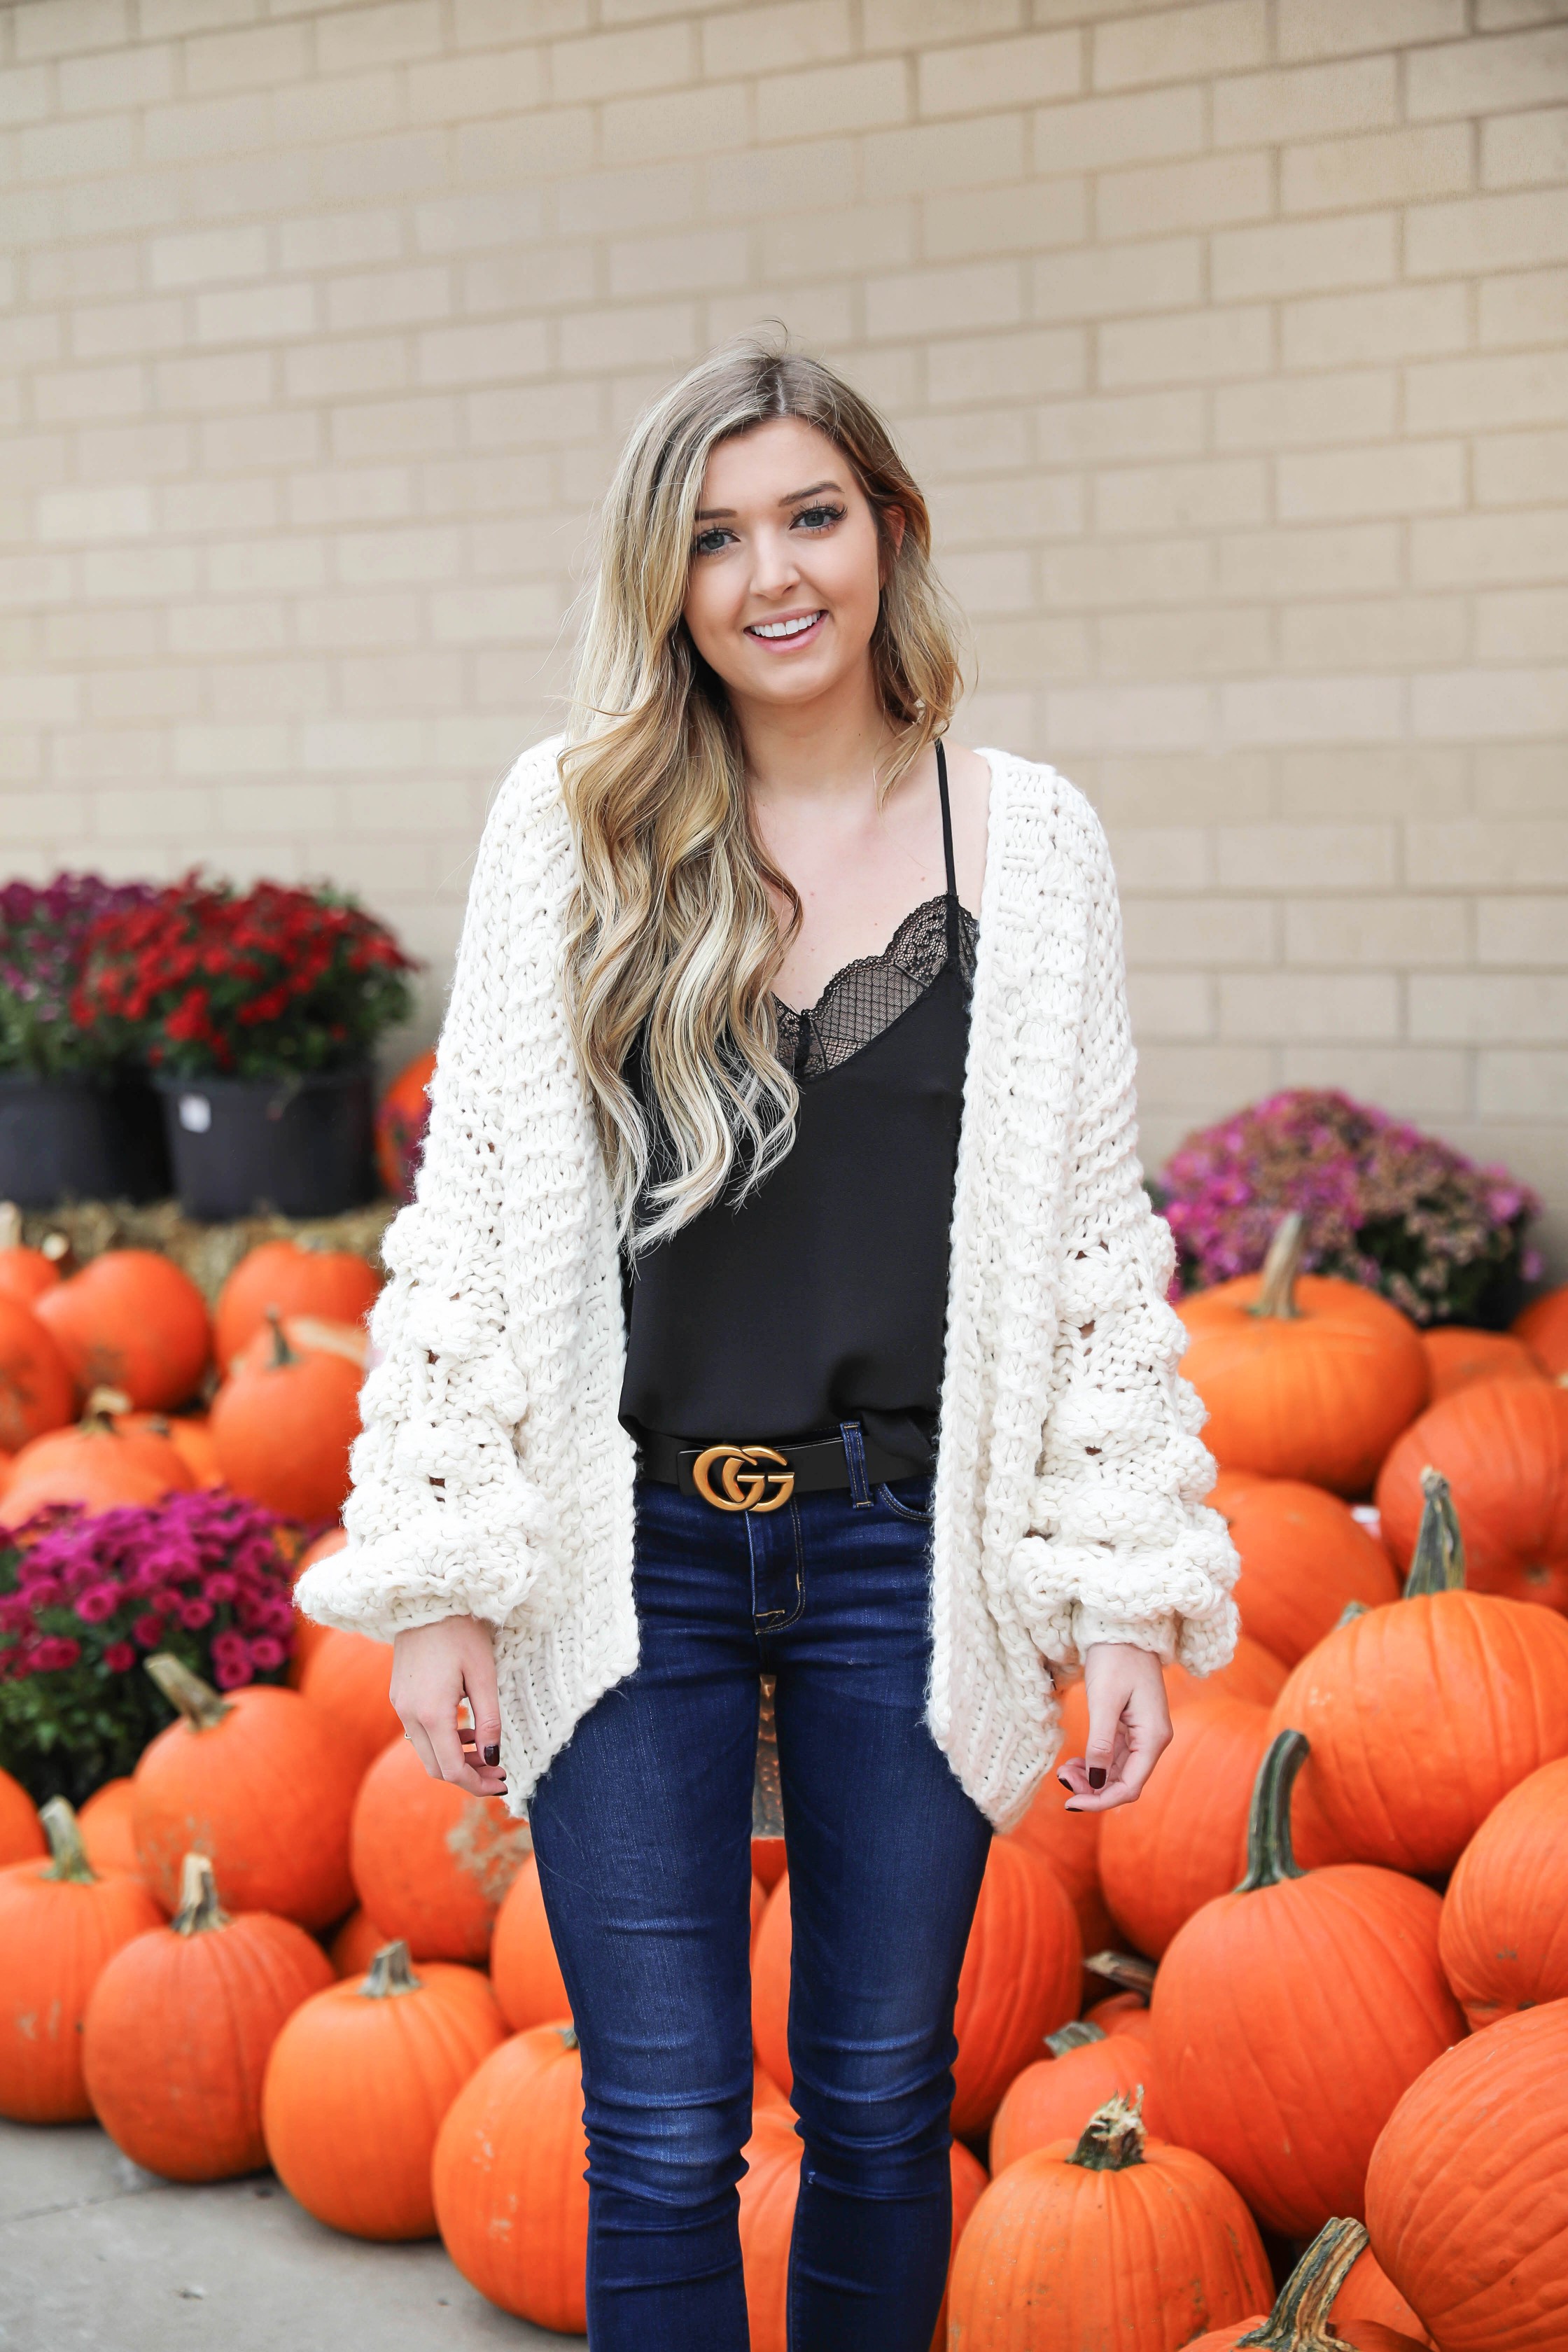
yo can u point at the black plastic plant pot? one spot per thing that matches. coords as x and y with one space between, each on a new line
302 1146
77 1138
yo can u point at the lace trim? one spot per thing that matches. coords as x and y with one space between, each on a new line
868 996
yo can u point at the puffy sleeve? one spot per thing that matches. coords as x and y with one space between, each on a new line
1121 1547
441 1519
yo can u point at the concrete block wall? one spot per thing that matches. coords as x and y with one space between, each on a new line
1229 338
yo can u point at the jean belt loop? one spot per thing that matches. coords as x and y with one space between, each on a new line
860 1496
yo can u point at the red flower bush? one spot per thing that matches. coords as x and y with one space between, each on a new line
83 1600
201 981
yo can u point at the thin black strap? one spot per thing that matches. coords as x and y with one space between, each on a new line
951 909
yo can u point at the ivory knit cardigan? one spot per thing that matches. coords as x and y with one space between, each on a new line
493 1477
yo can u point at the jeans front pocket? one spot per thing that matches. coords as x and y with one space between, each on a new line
905 1507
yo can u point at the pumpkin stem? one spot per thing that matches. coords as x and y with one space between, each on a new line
1128 1971
200 1909
283 1353
1438 1563
1270 1858
197 1701
1113 2136
101 1406
1349 1613
1276 1290
1299 2319
1077 2034
389 1972
56 1247
68 1856
10 1225
568 2036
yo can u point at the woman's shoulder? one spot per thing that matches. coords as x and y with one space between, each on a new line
1037 807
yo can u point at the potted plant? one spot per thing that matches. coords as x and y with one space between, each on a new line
255 1014
85 1599
77 1120
1381 1204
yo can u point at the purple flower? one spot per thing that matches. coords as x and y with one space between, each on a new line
196 1612
54 1653
119 1657
98 1603
230 1673
148 1631
267 1653
1383 1204
221 1587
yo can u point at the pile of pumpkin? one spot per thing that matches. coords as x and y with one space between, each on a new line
262 1395
1326 1957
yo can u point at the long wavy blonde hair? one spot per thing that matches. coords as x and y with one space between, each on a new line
674 942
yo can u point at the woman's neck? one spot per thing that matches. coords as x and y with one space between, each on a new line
822 752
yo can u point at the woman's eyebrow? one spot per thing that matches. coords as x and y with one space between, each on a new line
790 498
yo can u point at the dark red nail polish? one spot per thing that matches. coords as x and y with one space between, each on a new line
492 1756
1097 1776
1067 1784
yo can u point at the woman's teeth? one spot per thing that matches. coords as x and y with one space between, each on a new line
784 628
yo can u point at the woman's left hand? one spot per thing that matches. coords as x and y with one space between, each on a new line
1129 1727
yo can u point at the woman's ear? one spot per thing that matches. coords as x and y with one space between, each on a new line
894 518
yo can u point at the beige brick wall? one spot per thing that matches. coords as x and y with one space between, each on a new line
1230 338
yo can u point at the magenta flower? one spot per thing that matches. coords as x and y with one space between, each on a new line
149 1631
98 1603
267 1652
1383 1205
119 1657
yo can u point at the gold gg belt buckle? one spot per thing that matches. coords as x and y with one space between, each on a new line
742 1489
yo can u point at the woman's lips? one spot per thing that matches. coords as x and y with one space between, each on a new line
793 632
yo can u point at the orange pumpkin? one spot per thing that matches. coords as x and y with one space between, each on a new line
769 2190
1116 2239
1122 2013
1299 2319
1502 1446
1184 1841
1252 1673
1260 1983
1304 1377
1229 1486
179 2028
106 1829
307 1635
356 1944
250 1780
22 1835
431 1862
358 2082
132 1320
283 1421
1368 2296
99 1463
1054 2098
1068 1843
60 1924
1466 2194
1504 1937
1422 1716
1543 1328
290 1278
36 1390
400 1122
188 1434
26 1274
1019 1980
768 1861
510 2198
1304 1558
347 1676
1457 1356
524 1970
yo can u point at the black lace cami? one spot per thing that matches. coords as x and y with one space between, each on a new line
822 1296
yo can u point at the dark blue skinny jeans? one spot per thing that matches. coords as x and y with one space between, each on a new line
642 1829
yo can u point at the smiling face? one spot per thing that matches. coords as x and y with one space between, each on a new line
786 567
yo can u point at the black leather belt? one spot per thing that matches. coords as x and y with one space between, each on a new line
761 1477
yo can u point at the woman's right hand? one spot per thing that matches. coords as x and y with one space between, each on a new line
434 1668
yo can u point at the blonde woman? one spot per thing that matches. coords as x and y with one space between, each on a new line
780 1298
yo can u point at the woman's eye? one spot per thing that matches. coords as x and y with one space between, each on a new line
819 517
708 542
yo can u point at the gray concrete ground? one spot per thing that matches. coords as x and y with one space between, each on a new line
95 2252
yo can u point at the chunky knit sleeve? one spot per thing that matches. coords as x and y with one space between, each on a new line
1121 1547
441 1518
